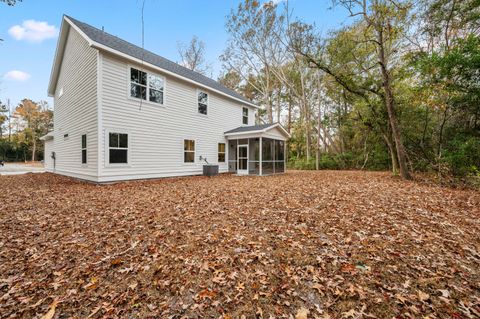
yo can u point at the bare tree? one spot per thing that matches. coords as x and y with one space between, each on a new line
193 56
252 29
10 2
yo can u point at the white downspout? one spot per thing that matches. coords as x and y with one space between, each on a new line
260 158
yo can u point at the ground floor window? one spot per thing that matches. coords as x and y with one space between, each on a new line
221 152
118 148
84 149
188 151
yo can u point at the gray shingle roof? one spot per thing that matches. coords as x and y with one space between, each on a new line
251 128
130 49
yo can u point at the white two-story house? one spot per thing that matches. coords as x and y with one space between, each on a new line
122 112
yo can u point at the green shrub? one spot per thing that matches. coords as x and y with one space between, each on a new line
462 156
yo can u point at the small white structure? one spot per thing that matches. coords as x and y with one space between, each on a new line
121 113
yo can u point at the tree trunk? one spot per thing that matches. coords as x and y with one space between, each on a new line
393 154
319 123
390 104
34 148
279 109
289 114
307 117
307 132
289 127
268 103
307 140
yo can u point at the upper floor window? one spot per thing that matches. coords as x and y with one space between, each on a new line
146 86
188 151
118 148
202 102
245 116
84 149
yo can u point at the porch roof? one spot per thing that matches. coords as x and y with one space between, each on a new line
48 136
257 130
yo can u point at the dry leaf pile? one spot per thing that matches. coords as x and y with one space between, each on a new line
327 244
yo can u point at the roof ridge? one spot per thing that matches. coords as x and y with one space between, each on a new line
187 70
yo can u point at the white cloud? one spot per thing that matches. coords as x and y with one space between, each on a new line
16 75
33 31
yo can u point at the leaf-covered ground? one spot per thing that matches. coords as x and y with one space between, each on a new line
327 244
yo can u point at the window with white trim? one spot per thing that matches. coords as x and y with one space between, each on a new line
146 86
84 149
221 152
245 116
188 151
117 148
202 102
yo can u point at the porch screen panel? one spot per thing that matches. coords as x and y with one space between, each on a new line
254 156
279 156
268 163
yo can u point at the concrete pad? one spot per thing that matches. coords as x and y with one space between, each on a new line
17 169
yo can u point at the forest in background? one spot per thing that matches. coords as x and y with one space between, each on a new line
397 88
21 128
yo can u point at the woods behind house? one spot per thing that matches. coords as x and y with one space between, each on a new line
397 87
21 128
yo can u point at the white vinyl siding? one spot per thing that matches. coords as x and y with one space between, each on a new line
157 133
47 155
76 108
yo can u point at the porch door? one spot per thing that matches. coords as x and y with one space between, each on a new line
242 164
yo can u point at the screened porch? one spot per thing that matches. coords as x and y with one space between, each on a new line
257 150
256 156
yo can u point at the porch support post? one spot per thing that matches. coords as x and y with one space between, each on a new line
260 151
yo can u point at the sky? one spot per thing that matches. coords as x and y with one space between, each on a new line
30 32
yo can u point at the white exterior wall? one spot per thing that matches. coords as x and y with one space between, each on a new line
76 109
47 157
156 132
